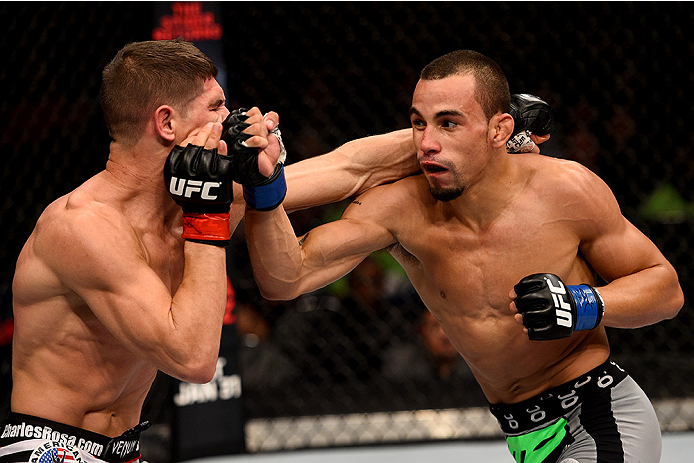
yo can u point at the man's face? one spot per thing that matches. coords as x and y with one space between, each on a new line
450 134
206 107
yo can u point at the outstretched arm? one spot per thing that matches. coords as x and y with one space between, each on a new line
350 169
286 267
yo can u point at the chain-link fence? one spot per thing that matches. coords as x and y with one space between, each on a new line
617 75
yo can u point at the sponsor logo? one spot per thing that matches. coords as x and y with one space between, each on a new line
186 188
28 431
124 447
562 308
55 452
222 387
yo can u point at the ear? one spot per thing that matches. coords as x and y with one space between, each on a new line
500 129
163 123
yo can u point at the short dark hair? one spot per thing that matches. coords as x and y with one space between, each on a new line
145 75
491 86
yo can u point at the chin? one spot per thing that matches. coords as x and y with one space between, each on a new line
446 194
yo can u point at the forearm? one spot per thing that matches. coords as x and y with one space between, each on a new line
274 252
643 298
350 169
196 313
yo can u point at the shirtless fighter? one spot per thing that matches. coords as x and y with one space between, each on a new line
505 250
106 289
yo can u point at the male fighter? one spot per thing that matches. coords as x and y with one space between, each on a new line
126 275
492 241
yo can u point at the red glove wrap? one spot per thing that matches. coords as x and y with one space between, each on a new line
206 226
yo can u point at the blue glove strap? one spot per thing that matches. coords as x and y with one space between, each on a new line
588 308
266 197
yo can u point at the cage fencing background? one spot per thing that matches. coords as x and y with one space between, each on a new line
358 362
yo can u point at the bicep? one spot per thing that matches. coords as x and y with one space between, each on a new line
618 252
323 255
612 245
350 169
334 249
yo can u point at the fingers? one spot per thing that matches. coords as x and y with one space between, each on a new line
257 129
538 139
267 144
272 119
517 316
266 165
207 136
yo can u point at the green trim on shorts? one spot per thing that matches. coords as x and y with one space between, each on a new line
535 446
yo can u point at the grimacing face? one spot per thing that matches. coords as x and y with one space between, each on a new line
209 106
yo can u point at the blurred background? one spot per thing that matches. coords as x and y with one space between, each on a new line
360 362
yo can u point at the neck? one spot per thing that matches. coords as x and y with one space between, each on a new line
486 198
139 172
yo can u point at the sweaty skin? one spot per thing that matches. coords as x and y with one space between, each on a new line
515 215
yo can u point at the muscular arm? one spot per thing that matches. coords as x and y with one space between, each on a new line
346 171
94 253
350 169
643 286
285 267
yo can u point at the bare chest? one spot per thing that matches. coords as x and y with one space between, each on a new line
471 270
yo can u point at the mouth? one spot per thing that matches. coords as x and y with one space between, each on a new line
432 167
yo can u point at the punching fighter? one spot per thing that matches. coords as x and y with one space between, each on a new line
523 259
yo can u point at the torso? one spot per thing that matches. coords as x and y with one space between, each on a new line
67 367
464 271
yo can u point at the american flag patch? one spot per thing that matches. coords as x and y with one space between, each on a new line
55 452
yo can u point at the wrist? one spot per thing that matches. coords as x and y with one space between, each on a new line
590 307
269 194
207 228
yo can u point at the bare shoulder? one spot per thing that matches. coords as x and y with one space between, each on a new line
557 177
78 237
574 191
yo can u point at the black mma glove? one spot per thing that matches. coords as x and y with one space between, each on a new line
552 310
260 192
532 115
199 181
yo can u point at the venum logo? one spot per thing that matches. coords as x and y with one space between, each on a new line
563 308
186 188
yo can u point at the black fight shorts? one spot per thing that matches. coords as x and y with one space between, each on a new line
25 438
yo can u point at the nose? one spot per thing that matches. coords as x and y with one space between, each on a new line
428 142
224 113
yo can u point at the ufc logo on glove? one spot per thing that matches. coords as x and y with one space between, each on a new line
553 310
562 307
185 188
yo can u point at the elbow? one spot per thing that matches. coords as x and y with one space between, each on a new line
278 289
197 363
277 293
672 297
199 371
670 293
676 304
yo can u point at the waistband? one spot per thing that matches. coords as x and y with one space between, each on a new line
558 401
17 427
